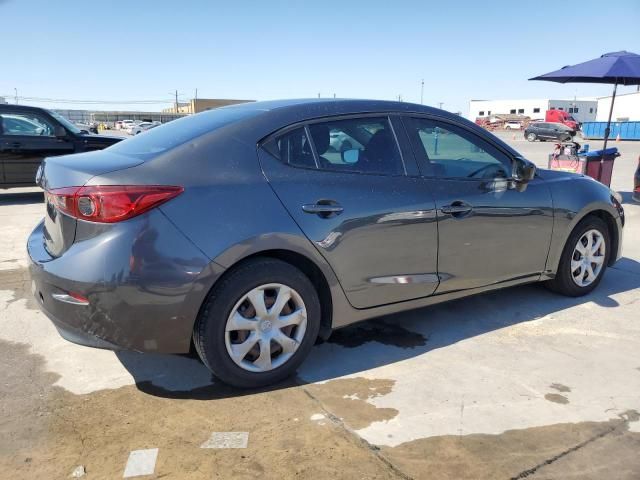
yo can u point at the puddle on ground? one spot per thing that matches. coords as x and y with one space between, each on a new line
377 331
584 451
556 398
346 398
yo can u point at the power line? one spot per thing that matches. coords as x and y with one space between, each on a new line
88 102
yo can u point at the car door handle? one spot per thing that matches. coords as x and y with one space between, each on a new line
457 209
15 145
322 208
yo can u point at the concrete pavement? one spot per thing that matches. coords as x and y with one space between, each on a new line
512 384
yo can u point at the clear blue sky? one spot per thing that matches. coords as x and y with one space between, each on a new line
144 49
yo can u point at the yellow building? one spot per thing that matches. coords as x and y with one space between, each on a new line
196 105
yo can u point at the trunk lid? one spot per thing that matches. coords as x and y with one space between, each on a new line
72 171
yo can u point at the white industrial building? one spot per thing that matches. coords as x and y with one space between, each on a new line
626 108
583 110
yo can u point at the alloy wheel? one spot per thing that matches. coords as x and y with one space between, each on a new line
588 258
265 327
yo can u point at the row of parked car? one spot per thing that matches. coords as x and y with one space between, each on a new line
134 127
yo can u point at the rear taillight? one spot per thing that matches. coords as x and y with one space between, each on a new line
110 203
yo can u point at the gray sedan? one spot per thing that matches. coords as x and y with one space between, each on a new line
243 232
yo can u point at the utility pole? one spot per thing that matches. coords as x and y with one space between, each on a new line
195 102
16 90
440 105
422 92
318 94
175 94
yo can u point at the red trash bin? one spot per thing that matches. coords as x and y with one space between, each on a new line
600 164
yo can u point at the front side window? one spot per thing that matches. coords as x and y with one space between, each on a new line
68 125
363 145
449 151
25 124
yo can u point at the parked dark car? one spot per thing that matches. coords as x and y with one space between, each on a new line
548 131
242 229
28 134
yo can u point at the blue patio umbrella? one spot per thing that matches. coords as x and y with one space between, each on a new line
615 68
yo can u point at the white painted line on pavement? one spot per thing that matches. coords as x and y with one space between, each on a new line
227 440
141 462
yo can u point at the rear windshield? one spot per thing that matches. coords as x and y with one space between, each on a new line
168 136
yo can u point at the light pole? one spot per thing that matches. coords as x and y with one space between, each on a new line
440 105
422 92
16 90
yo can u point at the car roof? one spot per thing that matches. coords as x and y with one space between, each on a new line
335 106
26 108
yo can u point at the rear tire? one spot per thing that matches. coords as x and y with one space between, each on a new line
573 276
278 345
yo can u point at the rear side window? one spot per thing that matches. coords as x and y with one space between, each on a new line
170 135
295 149
363 145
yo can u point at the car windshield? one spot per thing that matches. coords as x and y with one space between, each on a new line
170 135
67 124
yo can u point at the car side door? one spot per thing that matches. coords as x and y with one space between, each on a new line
488 231
354 194
26 139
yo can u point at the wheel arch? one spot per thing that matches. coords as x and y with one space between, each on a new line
320 275
599 211
614 234
313 273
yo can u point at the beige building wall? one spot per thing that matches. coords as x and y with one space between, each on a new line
201 104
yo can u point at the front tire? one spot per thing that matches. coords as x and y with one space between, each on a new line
258 324
531 137
584 259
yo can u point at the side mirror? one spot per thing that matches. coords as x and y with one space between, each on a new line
523 172
60 131
350 156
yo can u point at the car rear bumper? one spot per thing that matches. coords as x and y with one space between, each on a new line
141 296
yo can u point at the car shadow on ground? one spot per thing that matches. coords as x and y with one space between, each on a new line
385 340
21 198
